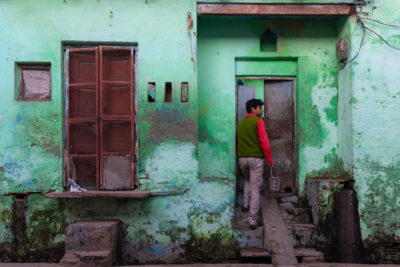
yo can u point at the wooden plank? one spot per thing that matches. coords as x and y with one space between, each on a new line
100 194
276 233
276 9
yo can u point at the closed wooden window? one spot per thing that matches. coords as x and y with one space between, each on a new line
100 117
34 82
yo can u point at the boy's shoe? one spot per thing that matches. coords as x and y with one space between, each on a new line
245 209
253 227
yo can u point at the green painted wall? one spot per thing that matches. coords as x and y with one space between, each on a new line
32 137
306 49
347 120
375 114
289 1
33 161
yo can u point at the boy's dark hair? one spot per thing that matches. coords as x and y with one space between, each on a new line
253 103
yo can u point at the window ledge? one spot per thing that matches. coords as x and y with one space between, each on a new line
100 194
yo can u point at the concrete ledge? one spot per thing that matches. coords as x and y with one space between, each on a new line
100 194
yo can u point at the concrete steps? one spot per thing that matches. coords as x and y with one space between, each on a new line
303 255
285 220
292 215
247 238
91 243
302 235
87 258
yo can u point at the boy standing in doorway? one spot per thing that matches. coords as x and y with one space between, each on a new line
253 146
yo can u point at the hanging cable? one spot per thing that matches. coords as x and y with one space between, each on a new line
377 21
386 42
360 21
359 49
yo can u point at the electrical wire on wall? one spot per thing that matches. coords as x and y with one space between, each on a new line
360 21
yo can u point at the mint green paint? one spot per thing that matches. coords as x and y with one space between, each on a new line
171 166
258 85
261 67
347 120
34 143
306 50
374 128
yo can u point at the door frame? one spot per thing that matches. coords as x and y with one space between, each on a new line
294 125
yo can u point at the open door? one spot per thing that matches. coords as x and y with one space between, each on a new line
280 122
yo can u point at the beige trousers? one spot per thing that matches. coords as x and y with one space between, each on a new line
252 169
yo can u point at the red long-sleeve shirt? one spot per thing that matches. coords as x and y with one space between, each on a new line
263 139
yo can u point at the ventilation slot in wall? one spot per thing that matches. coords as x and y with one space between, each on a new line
151 92
168 92
184 92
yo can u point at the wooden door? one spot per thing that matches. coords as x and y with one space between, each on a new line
279 115
100 117
82 117
116 118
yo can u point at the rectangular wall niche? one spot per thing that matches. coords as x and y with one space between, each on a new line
168 92
151 92
34 82
184 92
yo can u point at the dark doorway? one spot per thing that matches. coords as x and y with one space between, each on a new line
279 117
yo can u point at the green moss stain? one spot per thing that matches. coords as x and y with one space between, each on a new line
46 225
6 218
334 168
220 246
327 221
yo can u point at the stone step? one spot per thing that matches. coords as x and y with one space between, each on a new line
295 215
247 237
304 255
251 238
302 235
289 201
254 252
87 259
92 236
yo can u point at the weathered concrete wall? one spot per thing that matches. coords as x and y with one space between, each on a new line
376 123
33 132
342 120
306 50
32 137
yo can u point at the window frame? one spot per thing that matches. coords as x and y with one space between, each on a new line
20 67
100 116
